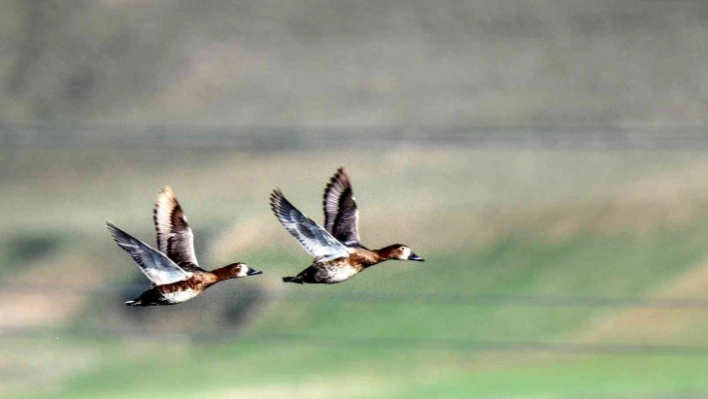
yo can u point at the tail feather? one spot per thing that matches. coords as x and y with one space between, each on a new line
297 280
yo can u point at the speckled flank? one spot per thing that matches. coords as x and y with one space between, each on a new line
180 296
340 274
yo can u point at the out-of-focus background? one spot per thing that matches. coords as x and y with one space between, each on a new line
547 158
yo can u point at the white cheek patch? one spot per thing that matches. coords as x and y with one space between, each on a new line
406 252
243 272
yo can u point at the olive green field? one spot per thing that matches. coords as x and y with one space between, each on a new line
548 274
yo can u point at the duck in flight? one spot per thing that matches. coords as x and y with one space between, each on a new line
172 268
336 247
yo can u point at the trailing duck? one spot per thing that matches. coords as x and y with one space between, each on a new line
172 268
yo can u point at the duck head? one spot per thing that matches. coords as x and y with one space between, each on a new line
400 252
238 270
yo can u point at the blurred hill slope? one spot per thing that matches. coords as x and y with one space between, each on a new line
514 227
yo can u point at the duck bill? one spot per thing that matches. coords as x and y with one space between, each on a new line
254 272
415 257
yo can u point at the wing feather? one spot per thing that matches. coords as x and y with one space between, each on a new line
174 236
341 212
315 239
156 266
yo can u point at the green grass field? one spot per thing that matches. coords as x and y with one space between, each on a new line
491 224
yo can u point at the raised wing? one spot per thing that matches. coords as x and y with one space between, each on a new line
174 236
156 266
341 213
316 240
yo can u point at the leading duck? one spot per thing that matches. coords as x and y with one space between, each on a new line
172 268
337 248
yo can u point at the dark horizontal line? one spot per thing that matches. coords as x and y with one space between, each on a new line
310 294
671 137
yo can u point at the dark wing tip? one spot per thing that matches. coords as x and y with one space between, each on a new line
117 234
112 228
339 176
154 219
276 200
276 196
283 209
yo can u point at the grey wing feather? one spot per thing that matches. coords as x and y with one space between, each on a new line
174 236
156 266
341 212
315 239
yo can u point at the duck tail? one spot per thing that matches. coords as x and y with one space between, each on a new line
297 280
133 303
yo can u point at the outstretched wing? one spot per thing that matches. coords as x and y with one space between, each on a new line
156 266
341 213
316 240
174 236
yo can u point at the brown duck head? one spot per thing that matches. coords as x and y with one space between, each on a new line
238 270
399 252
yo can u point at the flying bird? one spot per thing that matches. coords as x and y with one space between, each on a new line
172 268
336 247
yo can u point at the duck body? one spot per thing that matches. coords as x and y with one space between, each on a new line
182 291
333 271
169 294
339 254
341 269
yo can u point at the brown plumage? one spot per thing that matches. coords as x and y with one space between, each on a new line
343 268
172 268
184 290
339 254
174 236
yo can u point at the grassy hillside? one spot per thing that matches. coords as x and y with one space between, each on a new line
531 257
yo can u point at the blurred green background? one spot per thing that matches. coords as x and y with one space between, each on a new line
545 157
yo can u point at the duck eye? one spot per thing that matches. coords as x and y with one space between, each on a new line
402 248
